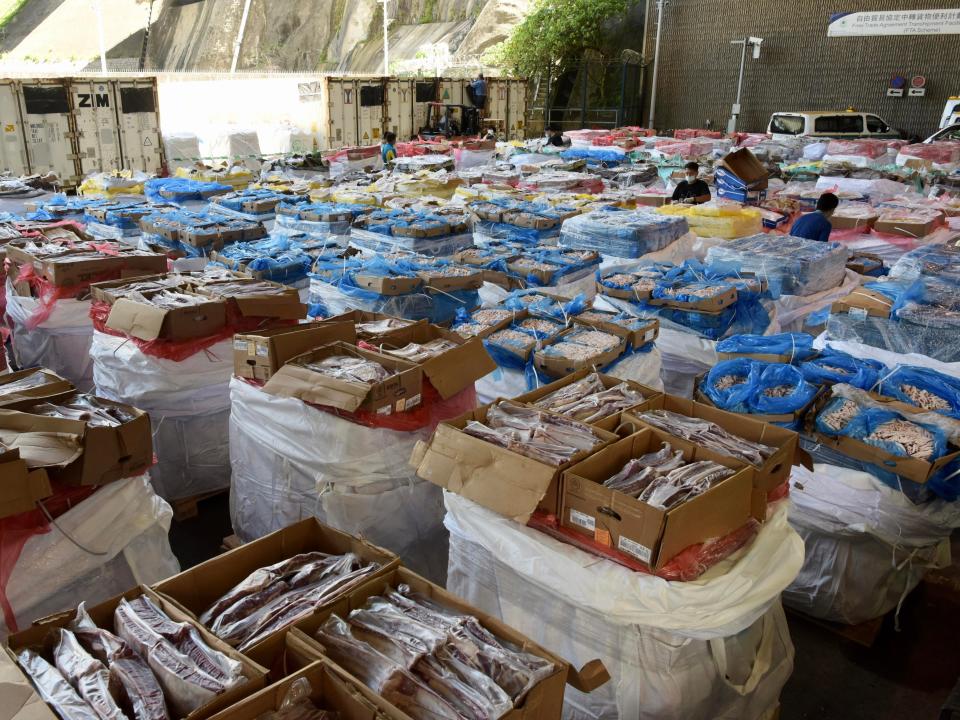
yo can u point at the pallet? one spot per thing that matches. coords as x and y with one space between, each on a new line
186 508
864 634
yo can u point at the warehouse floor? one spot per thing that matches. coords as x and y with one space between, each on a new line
906 674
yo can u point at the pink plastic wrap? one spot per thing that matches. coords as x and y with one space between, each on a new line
421 147
943 152
863 148
685 148
692 133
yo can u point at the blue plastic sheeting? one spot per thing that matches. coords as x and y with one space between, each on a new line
431 246
335 231
235 200
543 305
904 381
179 190
174 245
834 367
512 233
276 258
791 265
754 381
347 211
66 207
596 156
799 346
621 233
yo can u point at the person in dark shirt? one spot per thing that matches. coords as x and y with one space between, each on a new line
816 225
692 189
556 138
479 88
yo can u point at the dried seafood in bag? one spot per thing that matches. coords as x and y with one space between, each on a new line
87 675
86 408
54 689
588 401
297 705
709 435
417 353
684 483
350 369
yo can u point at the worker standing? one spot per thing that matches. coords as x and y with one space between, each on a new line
691 189
388 148
817 225
479 87
556 138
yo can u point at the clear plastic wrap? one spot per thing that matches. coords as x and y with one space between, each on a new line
717 220
621 233
180 190
791 265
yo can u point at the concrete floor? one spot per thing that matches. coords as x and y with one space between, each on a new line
906 675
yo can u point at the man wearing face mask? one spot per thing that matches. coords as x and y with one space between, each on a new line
692 189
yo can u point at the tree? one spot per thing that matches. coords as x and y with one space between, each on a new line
558 31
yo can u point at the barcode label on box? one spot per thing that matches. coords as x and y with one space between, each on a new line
649 335
631 547
583 520
240 345
262 350
858 313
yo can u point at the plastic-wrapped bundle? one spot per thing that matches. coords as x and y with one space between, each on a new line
834 367
745 385
276 259
798 346
622 234
716 220
791 265
941 261
540 304
924 388
938 341
180 190
256 201
595 155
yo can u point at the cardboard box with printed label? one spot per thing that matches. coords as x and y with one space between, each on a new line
544 701
505 481
741 170
450 371
32 386
608 423
76 452
258 355
774 471
145 321
399 392
195 590
650 534
646 330
42 638
558 366
20 487
862 303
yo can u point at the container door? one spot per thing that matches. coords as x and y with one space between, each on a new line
424 91
48 129
400 103
342 116
13 144
139 119
370 110
452 93
95 120
517 110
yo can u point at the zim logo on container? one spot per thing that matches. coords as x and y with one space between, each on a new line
89 100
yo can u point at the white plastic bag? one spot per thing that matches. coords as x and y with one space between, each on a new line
291 461
716 647
125 521
189 407
867 545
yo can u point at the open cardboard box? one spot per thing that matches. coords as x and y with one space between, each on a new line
514 316
112 290
77 266
608 423
864 302
53 387
785 418
75 453
647 331
259 354
398 393
41 637
651 534
919 471
195 590
20 487
360 318
558 367
625 293
451 371
388 284
276 301
741 170
543 702
149 322
713 304
450 283
865 263
502 480
774 471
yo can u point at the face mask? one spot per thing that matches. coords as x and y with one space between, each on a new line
691 178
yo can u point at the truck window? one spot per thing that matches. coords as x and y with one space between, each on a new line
836 124
787 124
876 125
950 134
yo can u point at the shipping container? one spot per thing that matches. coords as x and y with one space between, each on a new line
139 120
13 145
95 119
49 129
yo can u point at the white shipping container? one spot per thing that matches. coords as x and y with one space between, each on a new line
341 113
399 112
517 110
371 110
95 118
139 122
49 129
13 147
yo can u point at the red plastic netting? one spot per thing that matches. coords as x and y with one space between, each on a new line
16 530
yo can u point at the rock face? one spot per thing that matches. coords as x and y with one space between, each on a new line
318 35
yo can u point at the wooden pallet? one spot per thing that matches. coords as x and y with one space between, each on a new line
186 508
863 634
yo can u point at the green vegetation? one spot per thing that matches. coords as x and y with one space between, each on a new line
557 32
428 7
8 9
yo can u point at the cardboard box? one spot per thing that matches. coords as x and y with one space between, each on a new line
149 322
907 228
112 290
195 590
919 471
41 636
609 423
648 331
359 317
53 387
625 293
713 304
388 285
20 487
650 200
449 372
258 355
652 535
784 418
400 392
740 170
774 471
558 367
21 701
276 301
862 303
502 480
865 263
450 283
78 266
841 222
543 702
76 453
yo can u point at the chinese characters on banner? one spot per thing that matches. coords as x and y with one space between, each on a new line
899 22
